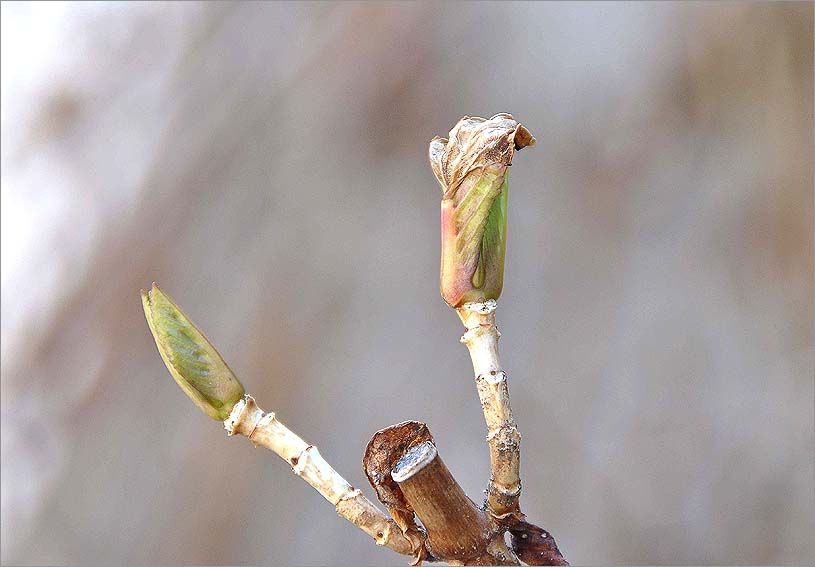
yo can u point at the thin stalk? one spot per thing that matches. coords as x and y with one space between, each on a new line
481 339
265 429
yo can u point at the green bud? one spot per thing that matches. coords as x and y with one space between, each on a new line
191 359
472 168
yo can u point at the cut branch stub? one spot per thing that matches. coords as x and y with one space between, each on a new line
412 481
385 448
457 531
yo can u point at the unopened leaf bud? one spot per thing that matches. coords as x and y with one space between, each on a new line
191 359
472 167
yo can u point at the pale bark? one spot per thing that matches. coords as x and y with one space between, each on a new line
481 339
265 429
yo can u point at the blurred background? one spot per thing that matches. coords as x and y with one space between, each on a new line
266 164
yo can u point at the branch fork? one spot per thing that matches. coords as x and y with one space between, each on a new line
431 518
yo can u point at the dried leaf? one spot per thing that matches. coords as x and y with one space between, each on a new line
534 545
384 450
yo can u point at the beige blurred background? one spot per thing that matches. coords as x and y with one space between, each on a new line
266 163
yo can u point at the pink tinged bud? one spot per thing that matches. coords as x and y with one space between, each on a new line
471 168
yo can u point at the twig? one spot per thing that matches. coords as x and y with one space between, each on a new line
532 544
265 429
481 339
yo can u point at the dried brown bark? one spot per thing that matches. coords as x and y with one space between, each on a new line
457 530
404 467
